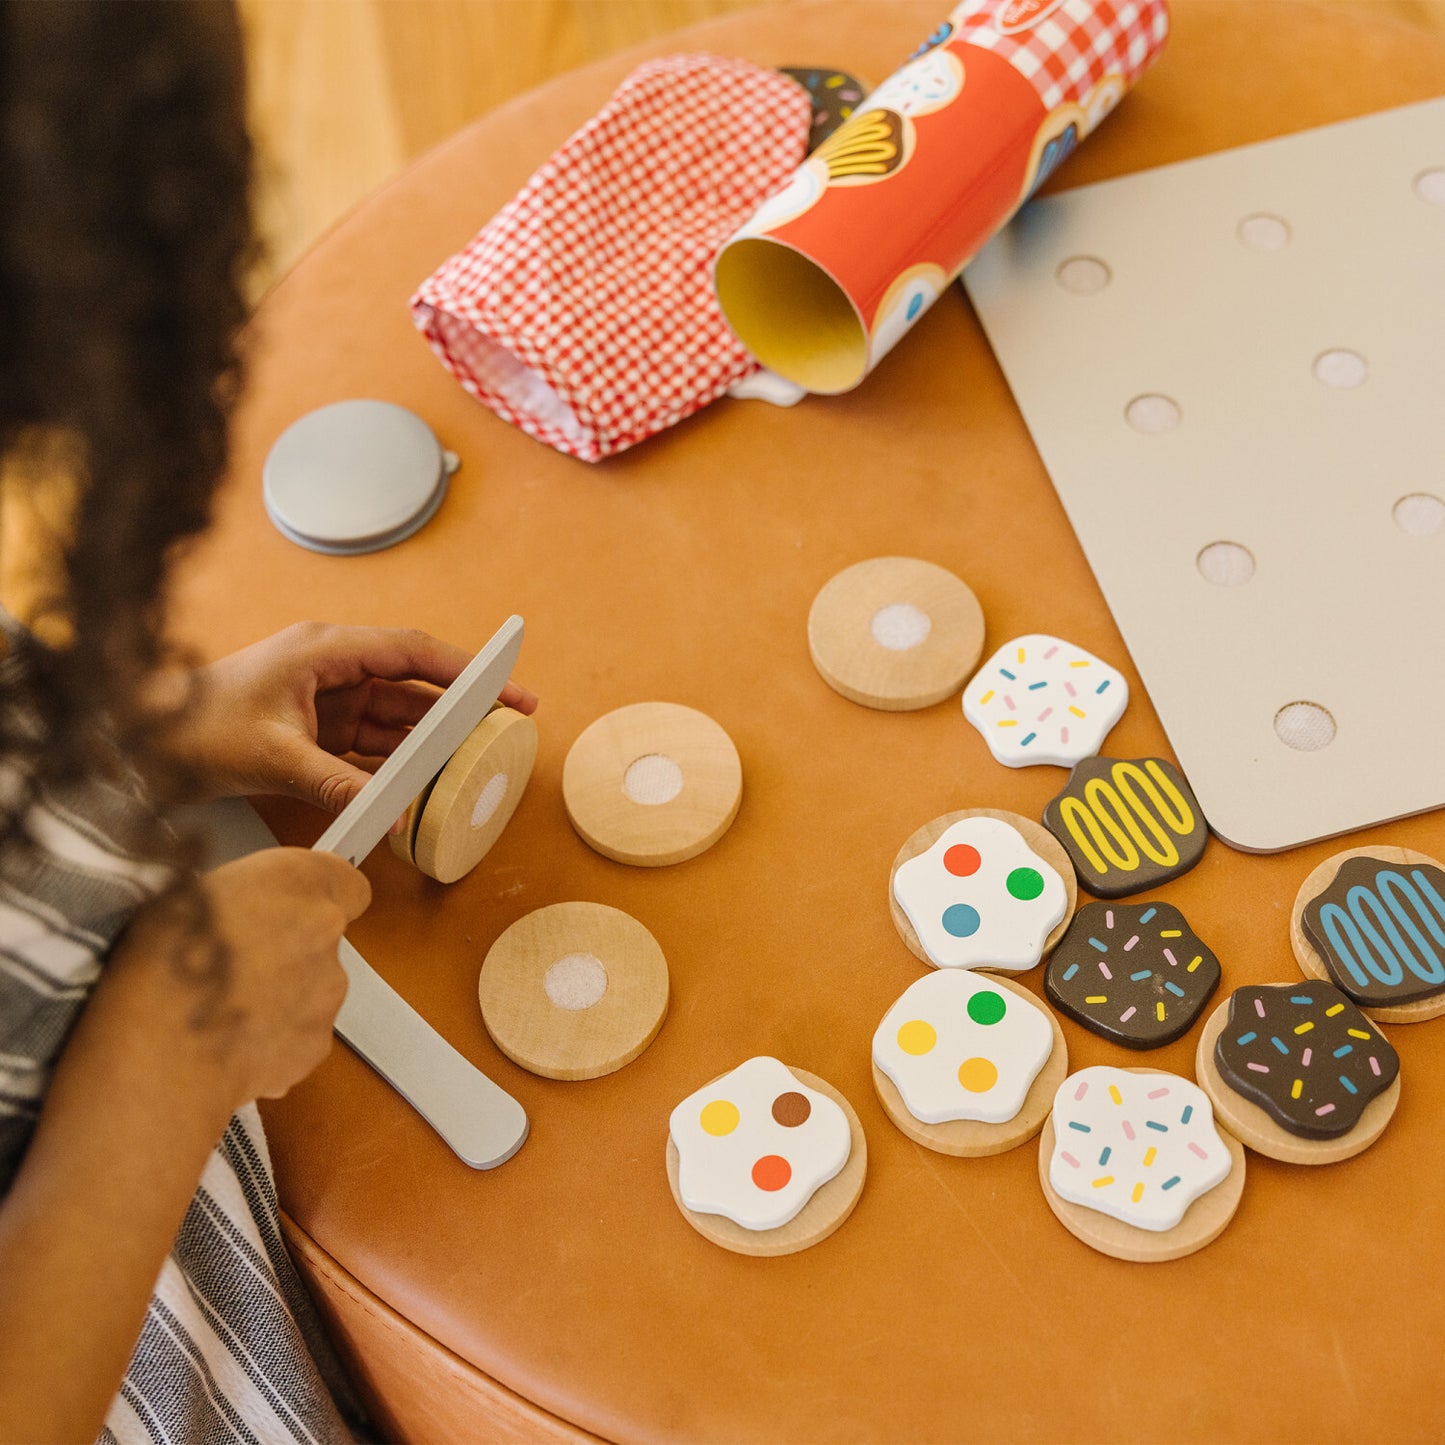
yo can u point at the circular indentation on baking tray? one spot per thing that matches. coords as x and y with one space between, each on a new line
1305 726
1430 186
1421 514
1083 275
1341 368
1264 232
1153 414
1226 564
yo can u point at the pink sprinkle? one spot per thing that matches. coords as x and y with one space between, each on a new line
1195 1149
1012 705
1131 943
1306 1057
1158 1094
1258 1068
1104 969
1108 918
1050 653
1259 1007
1128 1130
1068 1159
1043 714
1173 962
1375 1065
1063 735
1128 1014
1081 1090
1069 688
1325 1109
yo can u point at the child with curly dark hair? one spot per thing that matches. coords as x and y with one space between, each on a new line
145 1293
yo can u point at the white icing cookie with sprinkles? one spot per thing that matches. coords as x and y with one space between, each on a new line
1133 1164
1039 699
967 1064
755 1153
981 895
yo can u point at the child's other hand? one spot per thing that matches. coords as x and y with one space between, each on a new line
275 717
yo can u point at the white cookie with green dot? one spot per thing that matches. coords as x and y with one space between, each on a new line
958 1047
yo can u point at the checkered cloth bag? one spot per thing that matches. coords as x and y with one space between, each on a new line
583 312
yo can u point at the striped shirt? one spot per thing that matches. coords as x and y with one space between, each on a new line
231 1349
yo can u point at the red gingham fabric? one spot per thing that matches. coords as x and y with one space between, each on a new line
1066 53
583 312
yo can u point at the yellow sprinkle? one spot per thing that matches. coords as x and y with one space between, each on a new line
1100 1183
1331 1012
1172 933
833 82
1198 959
846 111
987 697
1138 1193
1077 712
1149 1154
1021 654
1357 1034
1115 1095
1297 1088
1097 998
1009 723
1304 1028
1078 664
1159 1010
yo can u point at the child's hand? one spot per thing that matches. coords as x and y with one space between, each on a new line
274 717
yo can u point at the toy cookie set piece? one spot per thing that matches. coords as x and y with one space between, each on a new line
1372 922
968 1065
452 826
981 889
574 991
1128 825
1132 1164
583 312
837 266
1298 1072
651 784
1135 974
766 1160
1039 699
895 633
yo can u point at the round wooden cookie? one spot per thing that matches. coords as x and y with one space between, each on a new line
1204 1221
1253 1126
1034 834
403 843
574 990
971 1138
1313 966
475 795
824 1213
651 784
895 633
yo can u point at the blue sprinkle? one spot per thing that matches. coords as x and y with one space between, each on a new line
1188 1111
1300 998
1345 1049
1143 973
1170 1183
1174 988
1101 687
1070 971
1028 740
1035 686
1102 947
1348 1085
1011 677
1162 1128
915 305
1280 1045
1104 1157
1082 1128
1145 917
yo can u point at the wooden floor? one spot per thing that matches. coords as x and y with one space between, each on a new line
345 92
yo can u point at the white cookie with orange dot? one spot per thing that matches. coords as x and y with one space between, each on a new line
1040 699
956 1046
981 896
1139 1147
757 1144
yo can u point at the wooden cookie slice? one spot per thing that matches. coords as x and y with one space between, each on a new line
1253 1126
574 990
1313 963
972 1138
823 1214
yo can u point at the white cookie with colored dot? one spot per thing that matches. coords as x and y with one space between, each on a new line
981 896
1139 1147
755 1145
1040 699
957 1046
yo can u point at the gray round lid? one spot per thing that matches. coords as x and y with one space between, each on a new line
355 476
